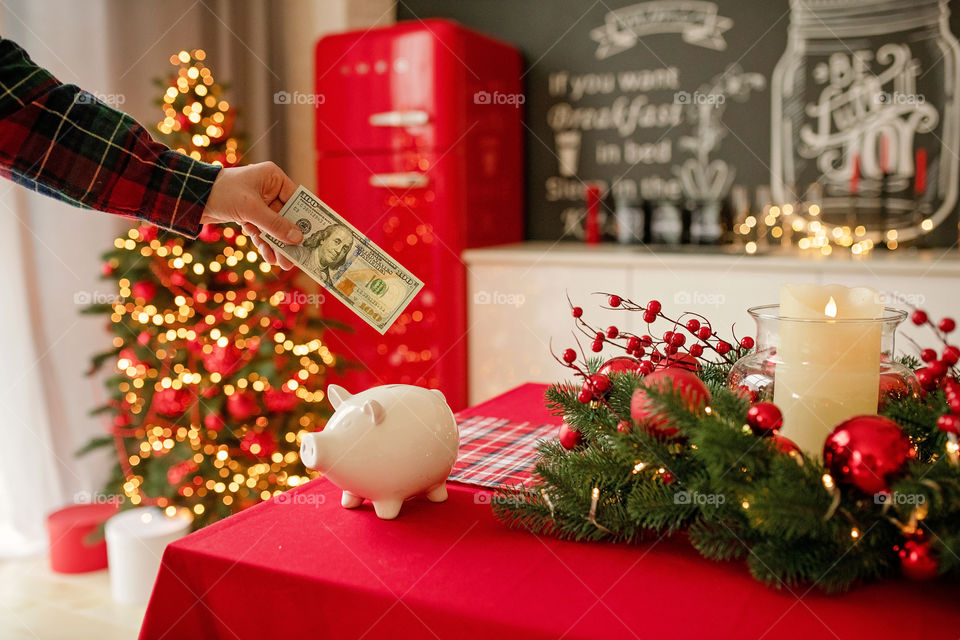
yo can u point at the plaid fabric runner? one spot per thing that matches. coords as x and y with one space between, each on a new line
497 452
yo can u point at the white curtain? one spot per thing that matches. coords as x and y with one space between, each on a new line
51 251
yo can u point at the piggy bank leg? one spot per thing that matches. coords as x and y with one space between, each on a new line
438 493
387 509
350 500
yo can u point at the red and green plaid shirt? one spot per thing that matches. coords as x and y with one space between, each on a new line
61 141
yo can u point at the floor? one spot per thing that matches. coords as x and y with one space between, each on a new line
36 603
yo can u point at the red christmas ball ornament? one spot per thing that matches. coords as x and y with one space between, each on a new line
147 233
106 268
171 403
260 444
177 472
209 233
143 338
917 559
624 427
242 405
785 445
683 361
764 418
918 317
144 290
223 360
177 279
570 438
210 391
667 477
867 452
280 400
645 413
213 421
620 364
121 420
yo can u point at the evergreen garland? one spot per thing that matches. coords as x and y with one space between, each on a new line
737 495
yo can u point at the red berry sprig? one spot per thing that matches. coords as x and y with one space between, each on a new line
940 371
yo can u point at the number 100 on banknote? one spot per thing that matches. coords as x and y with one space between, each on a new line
347 263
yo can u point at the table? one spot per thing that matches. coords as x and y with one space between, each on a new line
303 567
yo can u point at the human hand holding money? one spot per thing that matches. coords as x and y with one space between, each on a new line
348 265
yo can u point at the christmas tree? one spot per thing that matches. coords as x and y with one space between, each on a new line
218 359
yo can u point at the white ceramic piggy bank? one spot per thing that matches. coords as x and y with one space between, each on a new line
385 444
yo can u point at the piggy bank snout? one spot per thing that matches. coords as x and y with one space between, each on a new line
310 451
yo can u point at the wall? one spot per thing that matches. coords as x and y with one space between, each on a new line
674 99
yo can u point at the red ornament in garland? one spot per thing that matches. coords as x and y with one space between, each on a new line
645 413
785 445
144 290
209 233
242 405
764 418
917 559
279 400
177 472
867 452
620 364
171 403
570 438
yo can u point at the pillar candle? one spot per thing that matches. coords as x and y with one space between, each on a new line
136 539
828 363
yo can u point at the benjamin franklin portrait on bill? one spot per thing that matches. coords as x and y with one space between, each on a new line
325 251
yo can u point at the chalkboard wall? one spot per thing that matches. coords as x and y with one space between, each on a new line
674 99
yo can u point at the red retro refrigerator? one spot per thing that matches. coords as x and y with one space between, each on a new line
419 142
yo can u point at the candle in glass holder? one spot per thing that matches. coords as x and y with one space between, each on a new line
828 359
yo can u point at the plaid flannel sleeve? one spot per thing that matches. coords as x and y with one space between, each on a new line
61 141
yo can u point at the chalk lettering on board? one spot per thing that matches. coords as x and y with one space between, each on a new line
697 22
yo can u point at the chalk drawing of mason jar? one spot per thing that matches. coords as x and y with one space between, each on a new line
865 109
568 152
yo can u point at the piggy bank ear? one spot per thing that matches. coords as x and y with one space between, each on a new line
338 395
375 410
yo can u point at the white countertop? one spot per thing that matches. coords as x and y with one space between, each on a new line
922 262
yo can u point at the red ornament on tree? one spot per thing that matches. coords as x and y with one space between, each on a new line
223 360
171 403
764 418
645 413
279 400
785 445
620 364
242 405
209 233
213 421
867 452
145 290
680 361
570 438
147 233
261 444
917 559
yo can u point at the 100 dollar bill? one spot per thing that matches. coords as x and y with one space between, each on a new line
346 262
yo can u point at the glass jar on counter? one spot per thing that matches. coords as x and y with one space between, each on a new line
865 107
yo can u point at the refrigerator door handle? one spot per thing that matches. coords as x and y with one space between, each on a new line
410 118
399 180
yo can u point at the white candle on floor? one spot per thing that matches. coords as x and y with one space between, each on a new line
828 363
136 539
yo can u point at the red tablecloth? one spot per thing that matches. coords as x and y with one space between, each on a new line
304 567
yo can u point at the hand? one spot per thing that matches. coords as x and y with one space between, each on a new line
251 196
